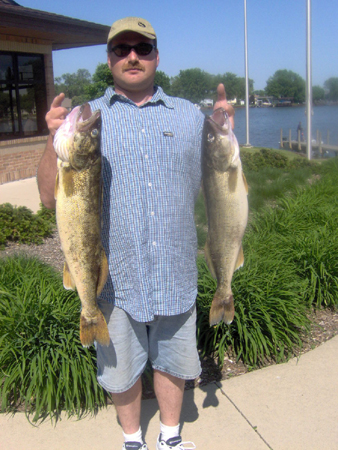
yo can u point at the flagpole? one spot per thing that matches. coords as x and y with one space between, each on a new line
308 81
246 79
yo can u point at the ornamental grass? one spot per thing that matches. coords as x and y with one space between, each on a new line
291 266
43 367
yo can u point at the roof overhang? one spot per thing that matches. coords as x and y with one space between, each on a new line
59 31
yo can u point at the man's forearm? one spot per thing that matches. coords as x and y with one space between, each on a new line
46 175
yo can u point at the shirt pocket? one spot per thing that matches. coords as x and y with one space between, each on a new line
176 150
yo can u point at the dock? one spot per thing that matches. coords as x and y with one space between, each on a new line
319 148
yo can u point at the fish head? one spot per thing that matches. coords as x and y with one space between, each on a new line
85 148
220 147
77 141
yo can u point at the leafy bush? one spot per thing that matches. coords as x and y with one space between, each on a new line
47 214
257 160
43 366
21 225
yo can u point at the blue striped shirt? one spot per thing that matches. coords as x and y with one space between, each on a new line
151 178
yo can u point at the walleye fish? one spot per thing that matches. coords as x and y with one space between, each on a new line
225 191
78 197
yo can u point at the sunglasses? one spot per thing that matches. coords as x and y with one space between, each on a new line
142 49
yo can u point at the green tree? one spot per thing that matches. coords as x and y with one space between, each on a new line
73 84
27 101
260 92
192 84
234 85
285 83
332 86
4 104
102 79
163 80
318 93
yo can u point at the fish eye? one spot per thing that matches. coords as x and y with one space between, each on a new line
94 133
210 137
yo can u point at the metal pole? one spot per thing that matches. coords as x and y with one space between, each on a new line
308 81
246 78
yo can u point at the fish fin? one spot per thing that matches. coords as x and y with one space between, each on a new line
245 183
94 329
208 259
103 273
56 187
68 280
240 259
232 181
222 308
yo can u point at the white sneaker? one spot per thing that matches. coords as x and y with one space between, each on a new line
174 443
134 446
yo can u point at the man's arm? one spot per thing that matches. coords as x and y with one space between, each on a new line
222 103
47 169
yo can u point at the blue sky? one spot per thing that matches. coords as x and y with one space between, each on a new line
210 35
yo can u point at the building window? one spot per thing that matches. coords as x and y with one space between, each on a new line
23 102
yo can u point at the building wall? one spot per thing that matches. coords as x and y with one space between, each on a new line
19 158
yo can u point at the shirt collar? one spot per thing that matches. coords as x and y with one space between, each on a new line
159 96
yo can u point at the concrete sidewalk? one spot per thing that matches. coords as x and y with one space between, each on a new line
292 406
21 193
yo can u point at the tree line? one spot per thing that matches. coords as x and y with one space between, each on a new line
196 85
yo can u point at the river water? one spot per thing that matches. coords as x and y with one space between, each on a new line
265 124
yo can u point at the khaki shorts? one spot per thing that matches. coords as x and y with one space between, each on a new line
169 342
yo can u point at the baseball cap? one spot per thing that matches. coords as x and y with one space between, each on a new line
135 24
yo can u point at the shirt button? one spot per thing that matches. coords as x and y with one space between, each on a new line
152 213
146 156
149 184
154 243
143 130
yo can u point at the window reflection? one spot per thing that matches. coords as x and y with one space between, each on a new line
23 102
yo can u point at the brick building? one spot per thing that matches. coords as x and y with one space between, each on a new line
27 39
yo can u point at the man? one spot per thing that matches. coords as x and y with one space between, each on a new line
151 147
300 131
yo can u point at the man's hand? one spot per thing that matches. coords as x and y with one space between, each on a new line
56 115
222 103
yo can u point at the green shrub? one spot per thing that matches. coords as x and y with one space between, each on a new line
303 227
43 366
47 214
270 312
257 160
21 225
291 265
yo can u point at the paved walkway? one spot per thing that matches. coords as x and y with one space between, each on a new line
21 193
292 406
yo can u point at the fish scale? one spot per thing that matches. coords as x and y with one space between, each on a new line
78 195
225 192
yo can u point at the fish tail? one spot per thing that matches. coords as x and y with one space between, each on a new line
94 329
222 308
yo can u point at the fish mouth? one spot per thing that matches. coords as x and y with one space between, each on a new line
219 121
86 120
